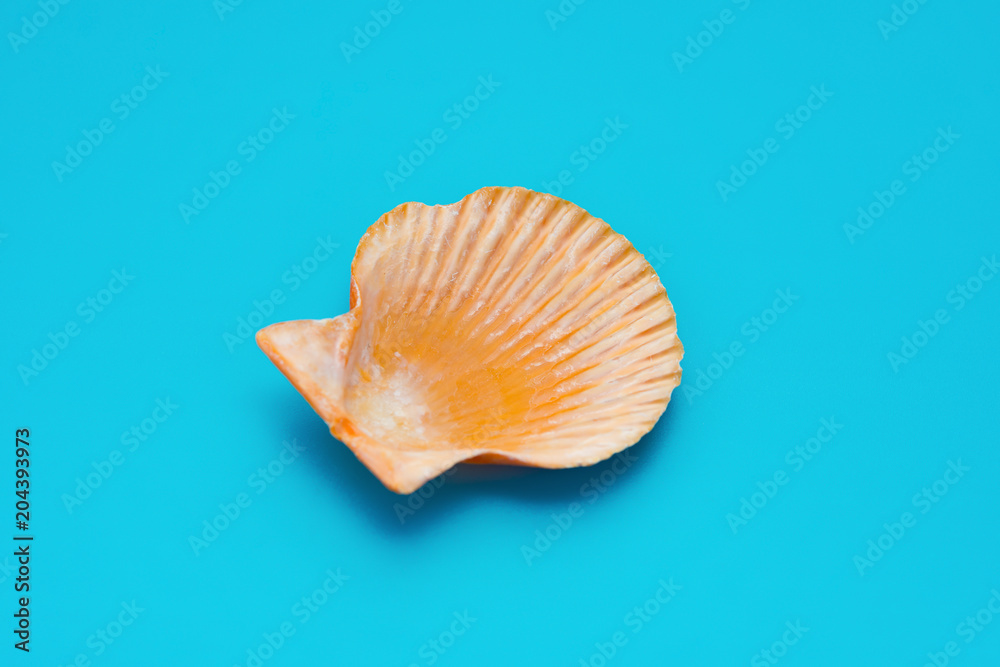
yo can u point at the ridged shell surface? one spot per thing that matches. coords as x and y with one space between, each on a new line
510 327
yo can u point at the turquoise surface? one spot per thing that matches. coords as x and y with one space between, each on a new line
815 183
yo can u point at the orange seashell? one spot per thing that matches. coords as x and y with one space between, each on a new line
511 327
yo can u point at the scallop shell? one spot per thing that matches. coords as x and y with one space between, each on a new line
510 327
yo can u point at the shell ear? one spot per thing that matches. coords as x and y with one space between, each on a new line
312 354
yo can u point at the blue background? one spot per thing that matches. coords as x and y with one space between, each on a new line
323 176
